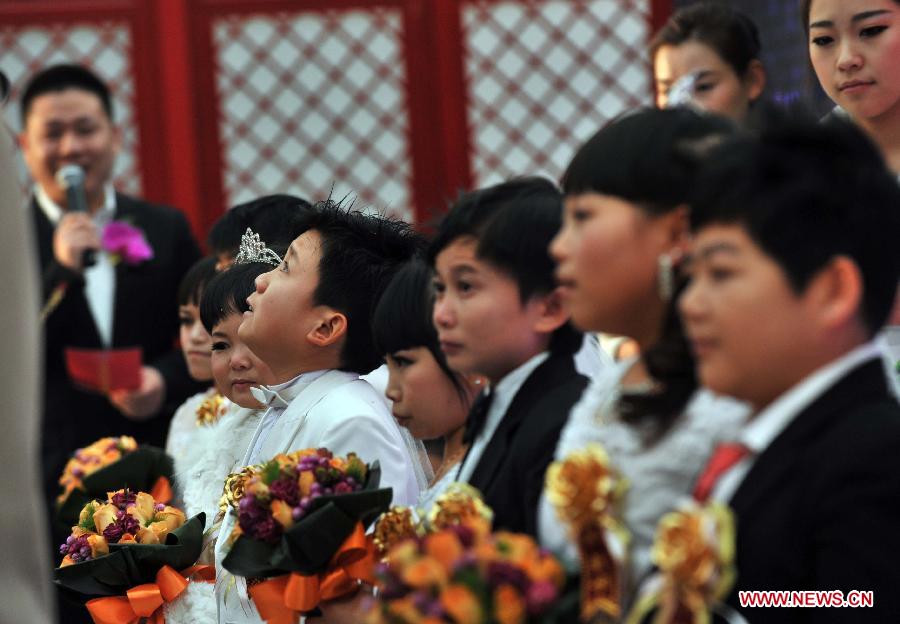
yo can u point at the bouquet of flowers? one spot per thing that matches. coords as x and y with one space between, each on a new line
694 555
301 518
585 491
451 568
107 465
128 549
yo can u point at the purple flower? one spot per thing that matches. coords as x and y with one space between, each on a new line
286 489
127 241
267 530
539 597
125 523
123 499
502 573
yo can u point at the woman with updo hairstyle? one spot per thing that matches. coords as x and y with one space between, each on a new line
715 50
620 256
854 47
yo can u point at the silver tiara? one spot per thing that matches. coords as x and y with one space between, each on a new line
254 250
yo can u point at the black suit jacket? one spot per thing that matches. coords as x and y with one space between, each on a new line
820 508
510 471
145 315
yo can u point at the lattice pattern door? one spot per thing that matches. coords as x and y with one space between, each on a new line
104 47
542 76
311 101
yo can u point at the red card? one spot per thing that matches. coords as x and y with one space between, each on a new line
102 370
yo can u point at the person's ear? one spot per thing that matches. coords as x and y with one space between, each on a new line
836 293
755 79
328 329
117 139
675 227
551 313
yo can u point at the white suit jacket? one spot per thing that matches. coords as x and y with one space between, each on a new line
340 412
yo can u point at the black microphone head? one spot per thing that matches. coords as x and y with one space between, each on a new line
70 175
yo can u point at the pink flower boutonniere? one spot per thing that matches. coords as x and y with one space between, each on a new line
124 242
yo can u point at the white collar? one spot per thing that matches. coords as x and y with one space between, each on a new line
508 387
761 430
280 395
54 211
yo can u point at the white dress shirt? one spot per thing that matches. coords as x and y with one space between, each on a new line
277 397
504 393
762 429
99 279
331 409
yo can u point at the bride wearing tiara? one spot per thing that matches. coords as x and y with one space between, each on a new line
217 449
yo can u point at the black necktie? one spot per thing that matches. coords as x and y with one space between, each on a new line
478 416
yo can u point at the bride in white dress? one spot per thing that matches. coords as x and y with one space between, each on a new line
216 450
429 399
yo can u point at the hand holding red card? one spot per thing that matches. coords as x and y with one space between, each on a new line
104 370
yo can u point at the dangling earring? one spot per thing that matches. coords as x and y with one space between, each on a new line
665 277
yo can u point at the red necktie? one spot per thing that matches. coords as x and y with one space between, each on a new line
723 458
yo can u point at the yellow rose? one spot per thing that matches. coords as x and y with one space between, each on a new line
305 482
143 509
150 534
281 511
257 487
172 517
284 461
461 605
104 515
99 546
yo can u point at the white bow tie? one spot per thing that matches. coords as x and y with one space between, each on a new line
268 397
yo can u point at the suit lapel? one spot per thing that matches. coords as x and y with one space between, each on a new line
127 284
543 379
863 384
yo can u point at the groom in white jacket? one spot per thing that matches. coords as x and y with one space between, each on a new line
309 321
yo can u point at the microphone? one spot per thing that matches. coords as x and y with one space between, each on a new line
71 178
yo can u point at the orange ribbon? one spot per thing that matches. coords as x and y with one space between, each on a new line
162 490
282 599
146 601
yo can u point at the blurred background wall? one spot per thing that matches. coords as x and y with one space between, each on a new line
399 103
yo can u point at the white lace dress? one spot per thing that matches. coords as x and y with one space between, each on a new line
216 451
428 496
658 474
183 426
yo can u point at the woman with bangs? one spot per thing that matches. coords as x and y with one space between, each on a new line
620 257
428 399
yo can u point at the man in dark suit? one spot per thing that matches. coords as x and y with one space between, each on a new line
67 119
794 271
498 313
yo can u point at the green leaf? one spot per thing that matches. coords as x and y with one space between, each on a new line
88 522
271 472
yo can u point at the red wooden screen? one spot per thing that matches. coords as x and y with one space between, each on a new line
399 103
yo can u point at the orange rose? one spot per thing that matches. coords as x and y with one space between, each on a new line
509 608
461 605
282 513
444 547
426 572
